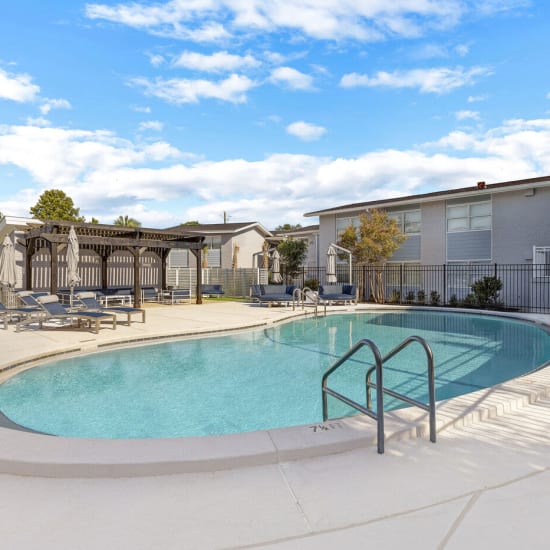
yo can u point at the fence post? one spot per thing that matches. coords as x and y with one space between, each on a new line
400 283
445 283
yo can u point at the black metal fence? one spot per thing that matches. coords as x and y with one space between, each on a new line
525 287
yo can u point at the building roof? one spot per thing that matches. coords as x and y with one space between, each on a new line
479 189
299 231
220 228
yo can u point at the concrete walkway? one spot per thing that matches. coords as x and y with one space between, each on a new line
484 485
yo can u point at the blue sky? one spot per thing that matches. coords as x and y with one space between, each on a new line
182 110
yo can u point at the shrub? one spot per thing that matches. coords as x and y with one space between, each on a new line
395 297
435 298
453 300
409 298
420 296
469 301
486 291
313 284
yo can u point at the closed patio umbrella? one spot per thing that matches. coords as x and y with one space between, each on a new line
276 267
331 265
8 275
73 257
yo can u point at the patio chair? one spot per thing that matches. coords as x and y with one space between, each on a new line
212 290
272 294
8 313
338 294
90 303
54 310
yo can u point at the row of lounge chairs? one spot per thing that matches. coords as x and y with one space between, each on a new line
40 307
285 295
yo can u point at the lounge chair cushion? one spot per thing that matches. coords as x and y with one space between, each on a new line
86 295
48 299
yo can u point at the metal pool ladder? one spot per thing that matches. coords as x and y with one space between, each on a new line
379 361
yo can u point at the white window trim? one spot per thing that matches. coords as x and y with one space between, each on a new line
402 224
541 258
469 205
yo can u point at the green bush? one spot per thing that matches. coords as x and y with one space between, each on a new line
409 298
421 297
453 300
435 298
469 301
313 284
395 297
486 291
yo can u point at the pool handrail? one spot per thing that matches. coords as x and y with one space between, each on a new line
379 386
379 414
430 407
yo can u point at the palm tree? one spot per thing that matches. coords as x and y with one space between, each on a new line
126 221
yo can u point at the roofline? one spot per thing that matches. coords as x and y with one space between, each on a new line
220 231
501 187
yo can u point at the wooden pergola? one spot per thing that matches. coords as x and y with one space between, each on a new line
105 240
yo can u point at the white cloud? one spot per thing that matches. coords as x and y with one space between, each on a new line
49 104
140 109
217 62
180 90
306 131
462 50
328 20
156 60
17 87
463 115
105 174
293 79
151 125
476 98
436 80
40 121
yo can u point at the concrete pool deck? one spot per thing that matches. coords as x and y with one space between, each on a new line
484 484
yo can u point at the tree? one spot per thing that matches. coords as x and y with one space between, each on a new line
193 222
54 204
126 221
376 239
288 227
95 221
293 253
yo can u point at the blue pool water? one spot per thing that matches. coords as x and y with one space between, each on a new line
264 379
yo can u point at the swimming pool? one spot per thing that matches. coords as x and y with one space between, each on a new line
263 379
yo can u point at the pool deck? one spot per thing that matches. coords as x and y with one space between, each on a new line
484 484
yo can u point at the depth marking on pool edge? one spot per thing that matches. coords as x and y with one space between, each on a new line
318 428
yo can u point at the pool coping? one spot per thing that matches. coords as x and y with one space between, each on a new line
24 453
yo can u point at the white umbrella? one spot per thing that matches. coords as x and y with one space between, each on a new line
276 267
73 256
8 276
331 265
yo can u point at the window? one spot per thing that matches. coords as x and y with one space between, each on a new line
469 217
409 222
342 223
178 258
214 254
541 261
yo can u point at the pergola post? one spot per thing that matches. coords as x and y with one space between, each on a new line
29 253
53 267
163 271
136 253
104 278
198 256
